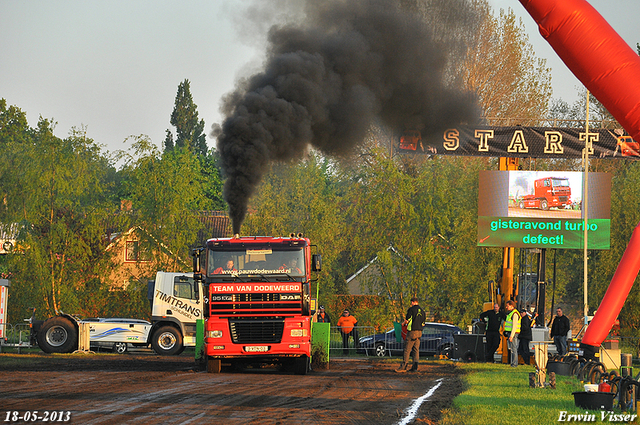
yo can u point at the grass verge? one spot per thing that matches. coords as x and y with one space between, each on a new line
498 394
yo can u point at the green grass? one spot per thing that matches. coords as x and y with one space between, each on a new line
498 394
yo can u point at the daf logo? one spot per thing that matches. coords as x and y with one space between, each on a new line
289 297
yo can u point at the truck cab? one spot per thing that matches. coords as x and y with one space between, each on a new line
257 301
176 304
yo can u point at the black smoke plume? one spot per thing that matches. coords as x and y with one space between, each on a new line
326 77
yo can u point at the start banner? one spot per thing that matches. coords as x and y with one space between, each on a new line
522 142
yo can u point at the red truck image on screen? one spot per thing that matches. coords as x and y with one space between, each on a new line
258 308
549 192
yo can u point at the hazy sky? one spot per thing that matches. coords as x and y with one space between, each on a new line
114 66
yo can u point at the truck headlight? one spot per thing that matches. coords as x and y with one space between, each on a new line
214 334
298 332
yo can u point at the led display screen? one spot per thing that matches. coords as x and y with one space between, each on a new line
543 209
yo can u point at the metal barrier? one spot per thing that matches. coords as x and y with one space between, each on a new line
339 345
16 336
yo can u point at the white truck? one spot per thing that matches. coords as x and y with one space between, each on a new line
176 304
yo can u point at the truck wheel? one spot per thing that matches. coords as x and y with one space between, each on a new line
58 335
214 365
521 205
301 365
167 341
120 347
544 205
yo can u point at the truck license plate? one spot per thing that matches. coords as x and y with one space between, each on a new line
256 348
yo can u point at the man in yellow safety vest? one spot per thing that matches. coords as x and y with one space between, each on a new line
512 330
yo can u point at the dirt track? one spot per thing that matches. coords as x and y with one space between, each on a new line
148 389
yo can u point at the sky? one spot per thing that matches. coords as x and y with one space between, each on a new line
114 66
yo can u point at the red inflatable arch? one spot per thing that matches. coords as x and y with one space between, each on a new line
609 69
595 53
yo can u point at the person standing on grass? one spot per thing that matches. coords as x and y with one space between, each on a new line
414 320
559 330
525 336
493 320
512 330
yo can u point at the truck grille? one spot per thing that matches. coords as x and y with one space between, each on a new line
563 198
256 331
252 304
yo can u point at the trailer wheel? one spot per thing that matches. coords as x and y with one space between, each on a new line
167 341
120 347
58 335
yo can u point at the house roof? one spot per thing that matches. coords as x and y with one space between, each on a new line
389 248
216 225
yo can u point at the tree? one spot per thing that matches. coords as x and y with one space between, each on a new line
189 129
64 208
167 191
501 67
301 198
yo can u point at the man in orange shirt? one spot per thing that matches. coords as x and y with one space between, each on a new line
347 325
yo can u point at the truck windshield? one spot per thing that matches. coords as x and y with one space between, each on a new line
560 182
258 261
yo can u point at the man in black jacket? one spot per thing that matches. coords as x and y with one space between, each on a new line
559 330
493 319
525 336
414 320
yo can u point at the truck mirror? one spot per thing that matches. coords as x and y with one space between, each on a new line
316 262
196 286
196 262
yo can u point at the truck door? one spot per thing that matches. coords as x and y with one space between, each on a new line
187 307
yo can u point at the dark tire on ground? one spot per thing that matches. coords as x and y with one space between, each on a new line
469 357
544 205
446 351
58 335
301 365
167 341
214 365
119 347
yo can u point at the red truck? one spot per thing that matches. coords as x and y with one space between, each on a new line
549 192
257 302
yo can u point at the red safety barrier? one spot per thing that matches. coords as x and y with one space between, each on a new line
607 66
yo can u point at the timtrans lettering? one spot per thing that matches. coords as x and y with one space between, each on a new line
175 302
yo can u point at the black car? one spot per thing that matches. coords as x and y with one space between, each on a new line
437 339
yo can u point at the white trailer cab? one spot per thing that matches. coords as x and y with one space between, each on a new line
176 304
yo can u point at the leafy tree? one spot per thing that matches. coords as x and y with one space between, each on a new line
501 67
64 211
189 129
167 191
15 136
299 198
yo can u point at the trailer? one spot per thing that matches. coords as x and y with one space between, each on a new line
175 307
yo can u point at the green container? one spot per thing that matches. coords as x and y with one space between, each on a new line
320 341
199 339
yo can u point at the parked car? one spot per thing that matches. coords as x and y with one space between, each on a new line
437 339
